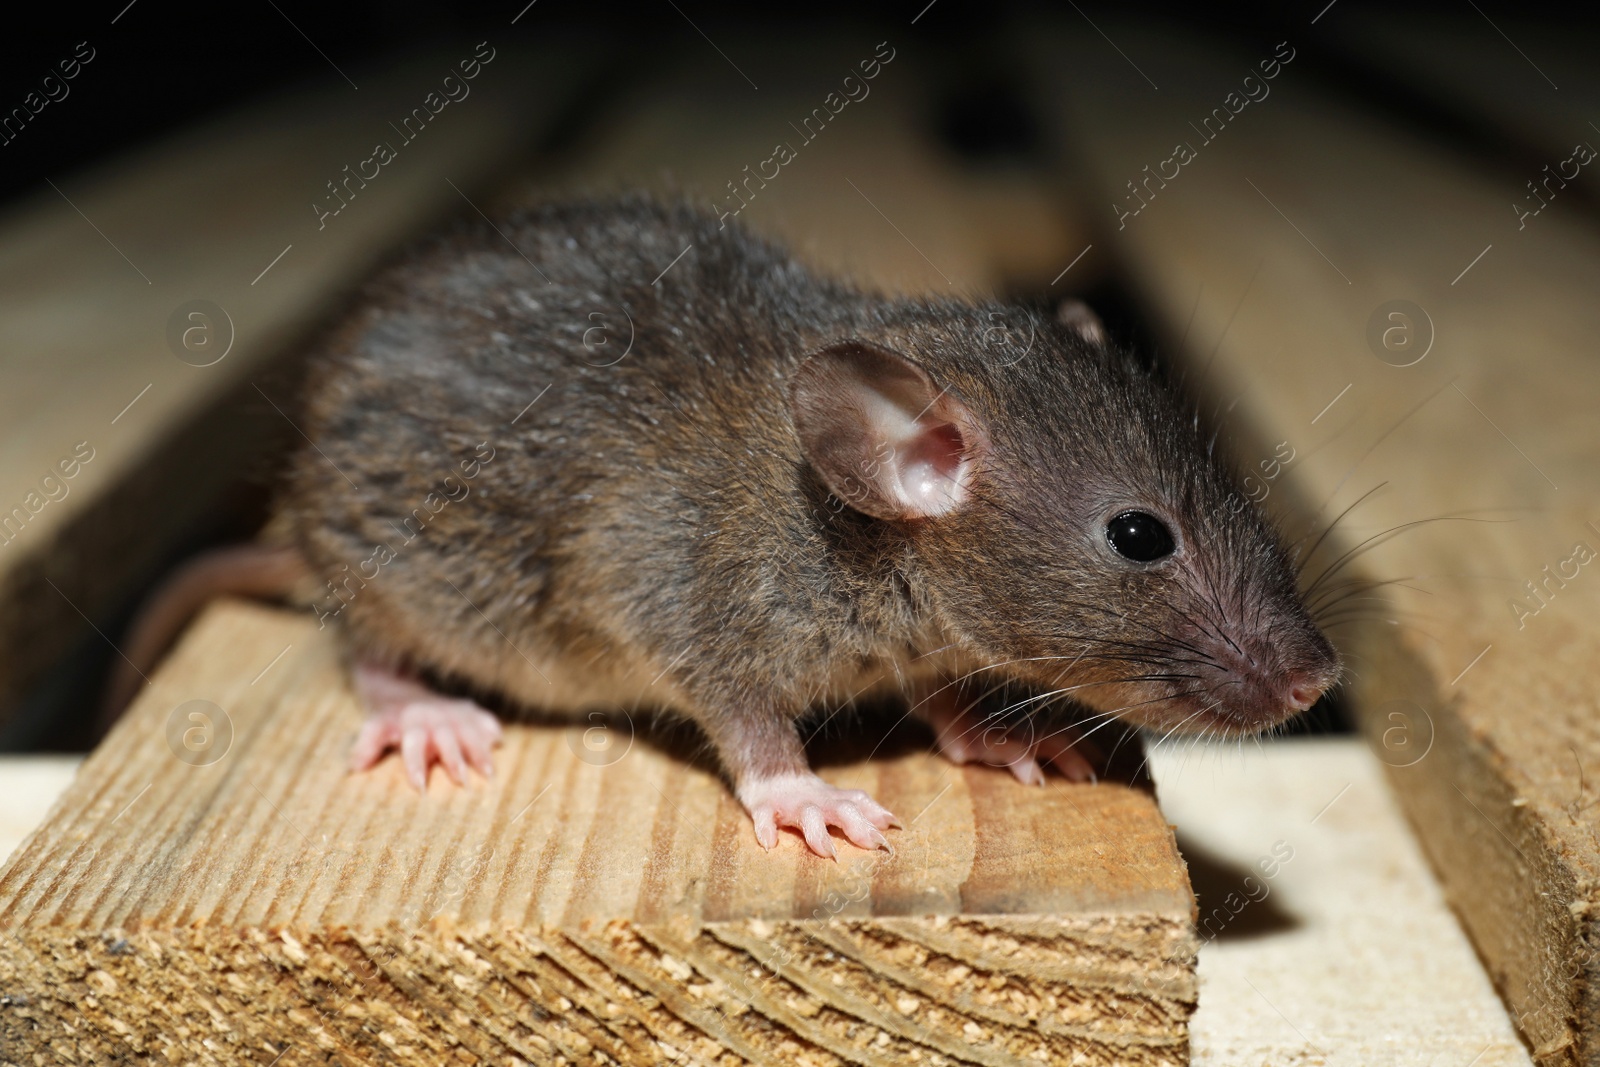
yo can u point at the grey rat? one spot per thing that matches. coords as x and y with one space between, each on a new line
622 453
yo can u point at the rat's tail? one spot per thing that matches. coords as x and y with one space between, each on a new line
255 570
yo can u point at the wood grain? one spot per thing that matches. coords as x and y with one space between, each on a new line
1274 249
600 900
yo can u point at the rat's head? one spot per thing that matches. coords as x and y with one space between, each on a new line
1068 524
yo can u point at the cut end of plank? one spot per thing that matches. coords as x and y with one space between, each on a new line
214 888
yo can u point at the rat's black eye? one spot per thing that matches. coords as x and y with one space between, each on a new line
1139 536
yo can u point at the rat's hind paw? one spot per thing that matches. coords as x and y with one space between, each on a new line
425 726
810 805
967 737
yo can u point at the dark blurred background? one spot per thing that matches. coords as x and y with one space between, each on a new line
161 66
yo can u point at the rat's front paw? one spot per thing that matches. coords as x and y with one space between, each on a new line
426 727
967 737
810 805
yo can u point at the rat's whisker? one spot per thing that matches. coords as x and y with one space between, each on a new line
997 718
1383 537
1331 595
1304 560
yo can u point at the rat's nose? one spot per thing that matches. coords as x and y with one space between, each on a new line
1303 691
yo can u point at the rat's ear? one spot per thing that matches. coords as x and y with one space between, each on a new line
884 437
1081 318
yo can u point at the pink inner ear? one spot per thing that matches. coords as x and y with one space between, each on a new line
883 435
930 465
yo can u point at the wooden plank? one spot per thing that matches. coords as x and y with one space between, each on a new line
1350 939
97 278
1323 933
1281 242
243 898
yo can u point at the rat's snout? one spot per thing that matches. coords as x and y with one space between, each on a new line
1302 676
1304 691
1267 681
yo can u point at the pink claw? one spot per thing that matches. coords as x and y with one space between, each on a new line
1061 752
965 737
425 726
810 805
